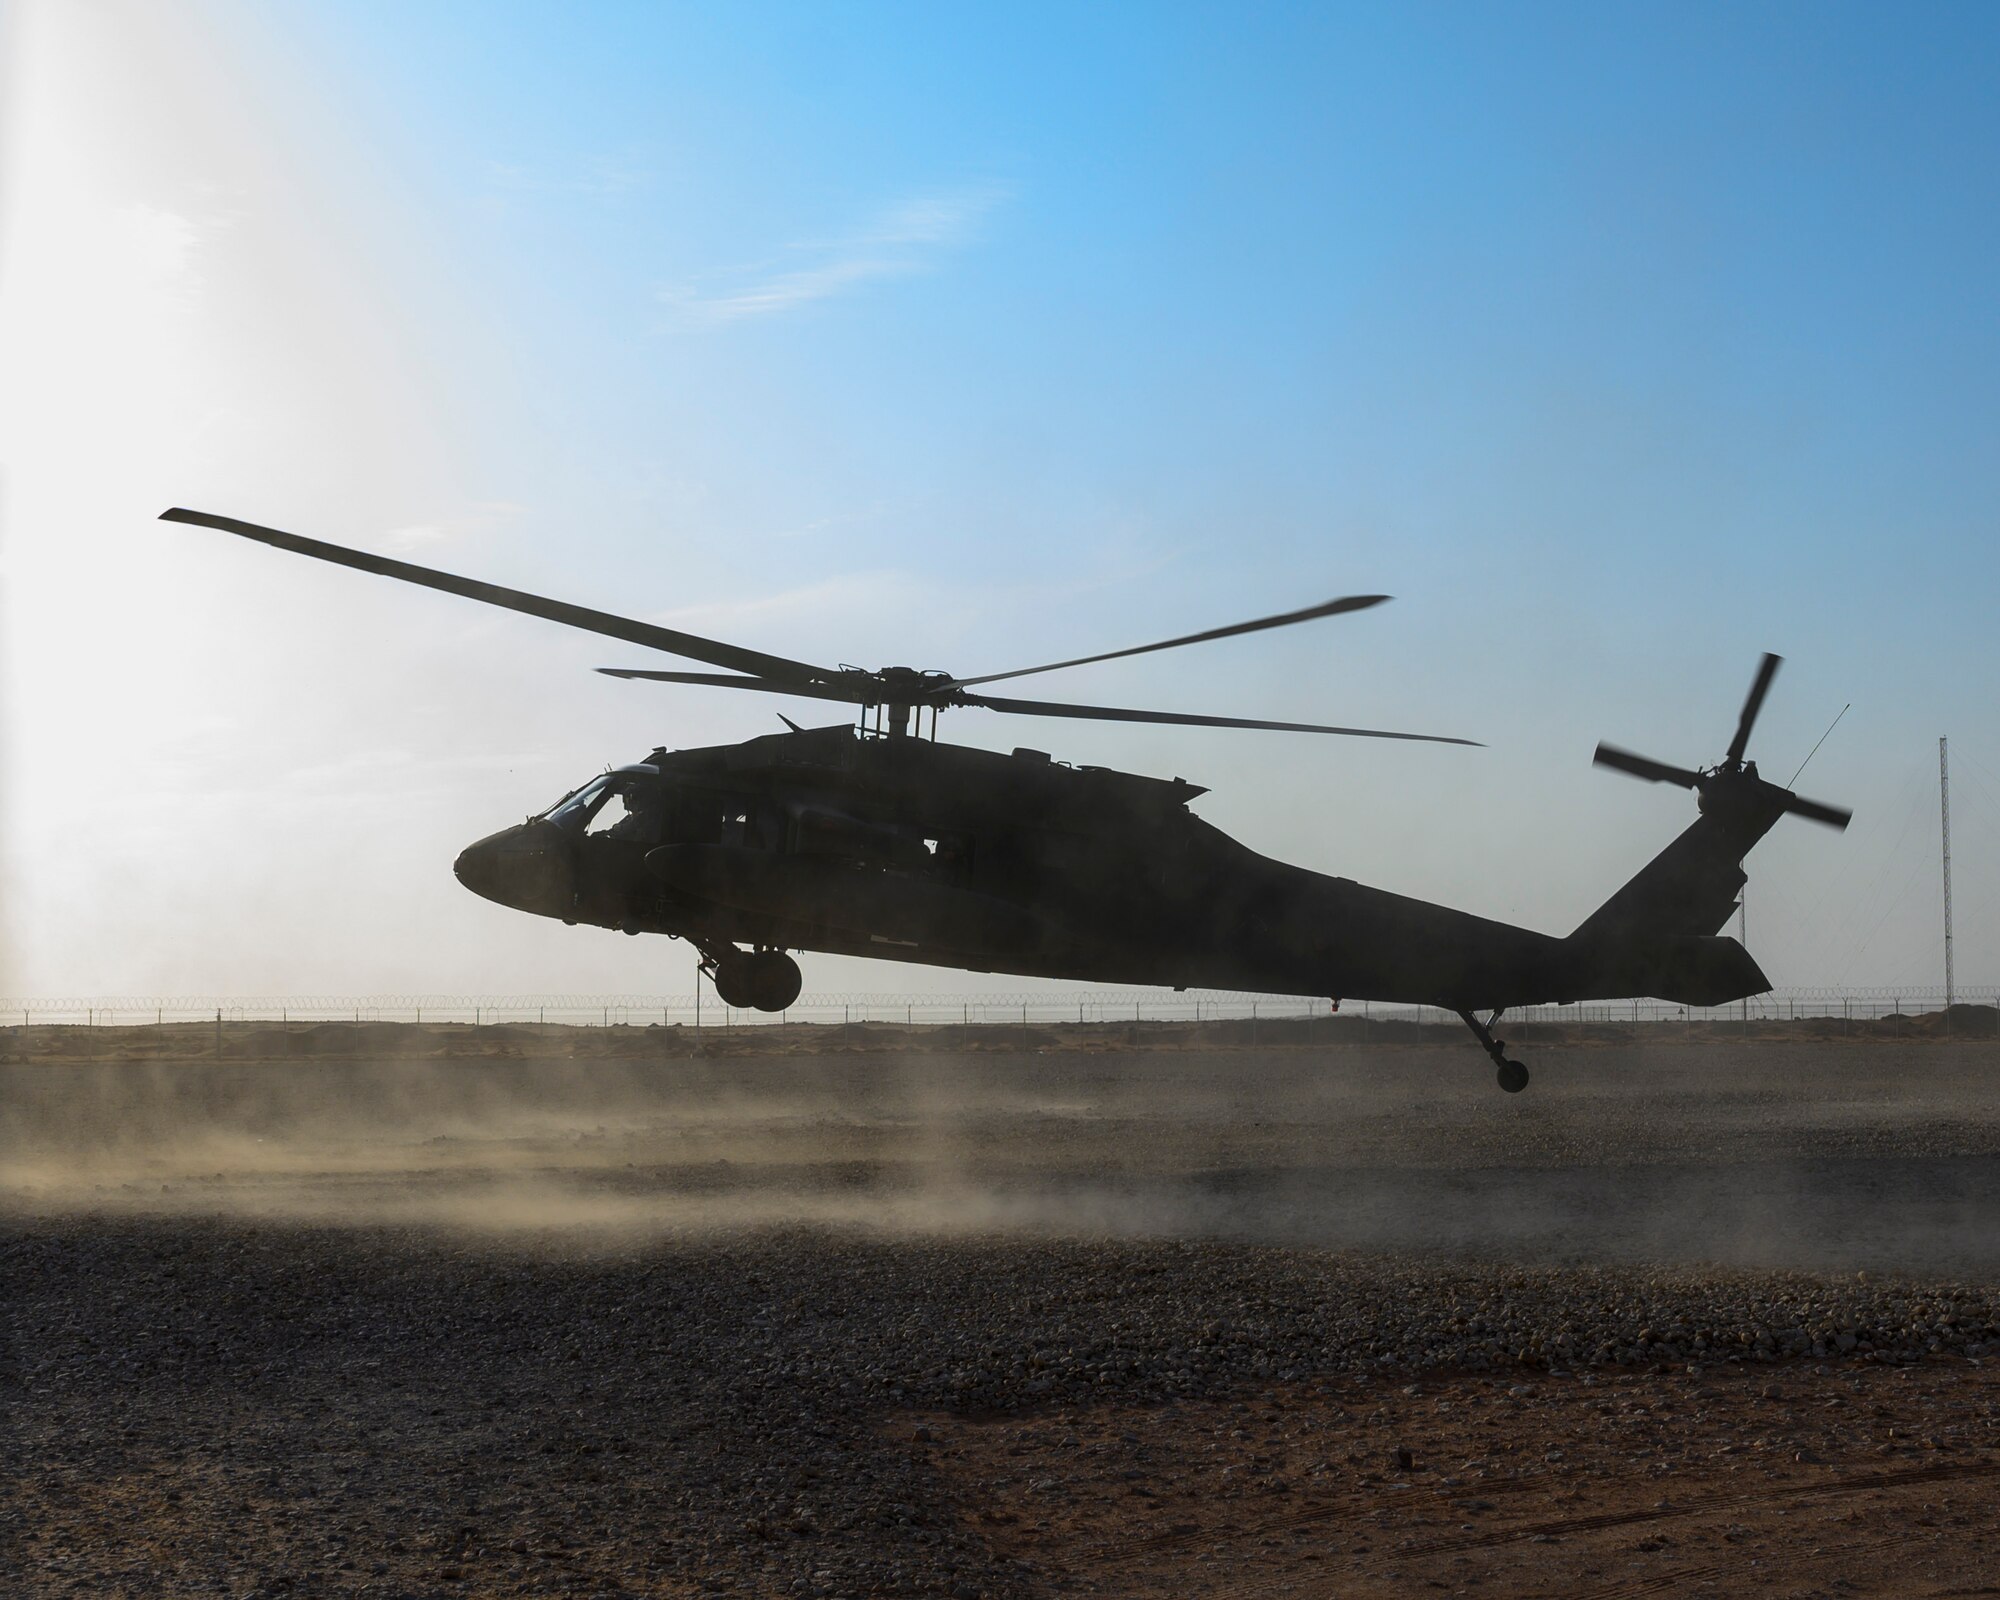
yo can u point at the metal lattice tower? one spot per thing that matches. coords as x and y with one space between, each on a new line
1944 811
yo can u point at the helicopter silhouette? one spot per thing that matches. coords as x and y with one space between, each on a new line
870 839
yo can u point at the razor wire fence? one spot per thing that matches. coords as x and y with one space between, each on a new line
1046 1008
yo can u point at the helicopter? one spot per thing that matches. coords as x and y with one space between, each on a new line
870 839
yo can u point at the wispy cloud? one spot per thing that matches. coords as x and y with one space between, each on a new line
839 519
598 178
906 239
419 536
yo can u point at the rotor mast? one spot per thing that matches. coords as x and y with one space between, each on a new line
902 694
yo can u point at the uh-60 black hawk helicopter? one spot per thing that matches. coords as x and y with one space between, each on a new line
875 841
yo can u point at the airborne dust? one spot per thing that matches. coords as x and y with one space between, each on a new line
1830 1156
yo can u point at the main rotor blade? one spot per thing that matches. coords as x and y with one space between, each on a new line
1813 811
858 695
1765 673
1051 708
1353 602
693 646
1609 755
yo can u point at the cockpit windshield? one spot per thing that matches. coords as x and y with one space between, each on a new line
575 809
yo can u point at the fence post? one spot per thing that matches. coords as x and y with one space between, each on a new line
218 1033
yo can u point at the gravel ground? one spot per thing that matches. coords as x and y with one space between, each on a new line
243 1380
395 1413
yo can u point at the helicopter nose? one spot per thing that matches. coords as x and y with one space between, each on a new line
478 867
526 867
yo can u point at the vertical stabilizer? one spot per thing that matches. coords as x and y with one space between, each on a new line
1660 934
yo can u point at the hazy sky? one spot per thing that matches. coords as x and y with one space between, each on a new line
1620 343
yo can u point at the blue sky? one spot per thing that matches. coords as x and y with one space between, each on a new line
1620 343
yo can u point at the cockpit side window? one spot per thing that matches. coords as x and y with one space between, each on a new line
620 805
630 808
614 813
634 814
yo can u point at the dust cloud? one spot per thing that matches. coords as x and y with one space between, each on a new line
1830 1157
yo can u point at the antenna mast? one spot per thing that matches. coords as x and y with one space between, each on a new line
1944 810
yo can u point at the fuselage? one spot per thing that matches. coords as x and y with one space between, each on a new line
904 849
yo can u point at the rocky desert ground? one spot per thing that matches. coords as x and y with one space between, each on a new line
376 1312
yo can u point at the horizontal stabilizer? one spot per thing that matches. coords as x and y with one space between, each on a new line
1688 970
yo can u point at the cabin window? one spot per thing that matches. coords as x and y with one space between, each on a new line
948 855
701 816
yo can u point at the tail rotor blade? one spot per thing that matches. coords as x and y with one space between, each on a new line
1813 811
1765 673
1609 755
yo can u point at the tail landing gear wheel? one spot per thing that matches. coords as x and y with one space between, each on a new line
775 980
1513 1076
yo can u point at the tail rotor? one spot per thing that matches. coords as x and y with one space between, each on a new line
1733 775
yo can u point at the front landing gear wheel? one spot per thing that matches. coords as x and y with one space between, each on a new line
756 980
1513 1076
735 979
775 980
